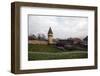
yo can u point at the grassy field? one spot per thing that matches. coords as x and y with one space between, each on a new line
49 52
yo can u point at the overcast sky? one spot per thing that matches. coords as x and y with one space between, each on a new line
62 27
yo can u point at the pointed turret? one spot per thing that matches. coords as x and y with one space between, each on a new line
50 36
50 31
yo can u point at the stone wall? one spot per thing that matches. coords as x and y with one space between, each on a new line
38 42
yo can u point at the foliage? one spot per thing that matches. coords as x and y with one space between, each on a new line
41 37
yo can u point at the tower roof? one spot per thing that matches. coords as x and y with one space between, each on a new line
50 31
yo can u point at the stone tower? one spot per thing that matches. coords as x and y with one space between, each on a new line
50 36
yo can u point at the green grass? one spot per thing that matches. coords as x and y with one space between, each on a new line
43 48
50 52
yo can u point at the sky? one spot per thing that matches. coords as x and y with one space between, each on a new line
63 27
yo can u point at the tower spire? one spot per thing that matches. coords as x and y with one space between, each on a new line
50 36
50 31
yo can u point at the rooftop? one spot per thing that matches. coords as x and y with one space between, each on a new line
50 31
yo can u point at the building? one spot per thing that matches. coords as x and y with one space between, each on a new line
50 40
50 36
69 42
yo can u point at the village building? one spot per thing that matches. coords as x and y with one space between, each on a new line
50 39
65 43
50 36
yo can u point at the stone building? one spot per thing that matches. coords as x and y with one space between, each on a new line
50 36
45 42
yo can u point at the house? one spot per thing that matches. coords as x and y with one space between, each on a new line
71 43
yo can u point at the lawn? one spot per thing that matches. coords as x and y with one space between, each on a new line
49 52
43 48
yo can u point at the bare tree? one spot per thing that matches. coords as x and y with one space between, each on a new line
34 37
41 37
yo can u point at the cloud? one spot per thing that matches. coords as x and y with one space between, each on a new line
63 27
